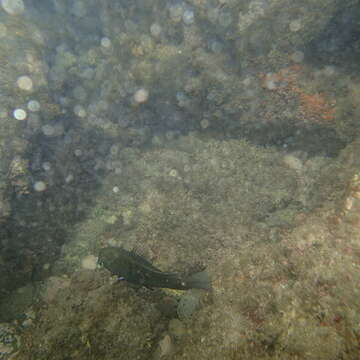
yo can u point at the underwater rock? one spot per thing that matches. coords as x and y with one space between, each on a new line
188 304
9 341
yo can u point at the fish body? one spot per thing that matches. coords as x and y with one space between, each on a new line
137 270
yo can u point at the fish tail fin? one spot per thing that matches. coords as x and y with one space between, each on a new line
199 280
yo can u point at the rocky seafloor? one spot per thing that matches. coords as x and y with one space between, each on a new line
221 133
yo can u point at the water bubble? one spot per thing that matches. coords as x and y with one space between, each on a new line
204 123
40 186
69 178
109 165
19 114
225 18
176 12
114 149
182 99
34 121
58 129
329 70
80 111
24 83
105 42
188 17
38 37
130 26
173 173
3 30
78 9
124 122
78 152
213 14
295 25
170 135
157 140
297 56
247 81
13 7
216 46
88 73
33 105
48 130
46 166
155 30
79 93
141 95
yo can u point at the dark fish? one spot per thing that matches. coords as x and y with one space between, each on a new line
137 270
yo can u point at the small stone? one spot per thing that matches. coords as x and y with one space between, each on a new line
89 262
166 346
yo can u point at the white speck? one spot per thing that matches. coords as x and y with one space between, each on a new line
115 189
19 114
141 95
33 105
78 152
13 7
40 186
24 83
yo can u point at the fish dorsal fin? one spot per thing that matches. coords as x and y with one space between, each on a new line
142 260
